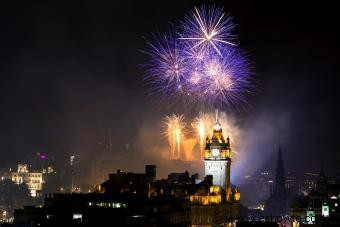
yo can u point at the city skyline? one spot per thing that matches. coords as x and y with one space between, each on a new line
70 76
185 113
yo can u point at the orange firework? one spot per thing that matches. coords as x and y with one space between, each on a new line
173 129
200 125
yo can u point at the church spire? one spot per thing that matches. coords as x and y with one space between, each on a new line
278 202
280 177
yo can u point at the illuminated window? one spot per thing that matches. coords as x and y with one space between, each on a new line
78 217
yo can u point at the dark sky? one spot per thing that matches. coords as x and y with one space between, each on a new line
70 71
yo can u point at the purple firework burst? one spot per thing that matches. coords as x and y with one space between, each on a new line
200 64
222 80
166 67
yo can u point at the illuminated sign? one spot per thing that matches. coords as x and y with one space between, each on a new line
325 210
310 217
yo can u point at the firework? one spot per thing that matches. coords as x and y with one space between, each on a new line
173 129
185 147
200 126
199 64
225 79
166 68
208 29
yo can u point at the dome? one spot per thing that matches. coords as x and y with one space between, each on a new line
217 127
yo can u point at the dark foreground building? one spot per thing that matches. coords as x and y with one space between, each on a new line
137 199
95 209
129 199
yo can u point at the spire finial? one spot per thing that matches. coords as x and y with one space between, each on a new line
217 126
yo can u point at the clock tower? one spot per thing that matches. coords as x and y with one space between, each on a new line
217 158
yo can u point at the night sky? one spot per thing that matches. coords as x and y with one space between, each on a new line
70 73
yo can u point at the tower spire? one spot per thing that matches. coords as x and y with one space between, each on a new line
216 115
217 127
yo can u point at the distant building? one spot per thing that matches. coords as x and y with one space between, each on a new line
258 186
125 183
321 205
33 179
264 184
292 184
12 196
309 182
179 177
150 171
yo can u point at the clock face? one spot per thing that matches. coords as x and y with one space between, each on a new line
215 152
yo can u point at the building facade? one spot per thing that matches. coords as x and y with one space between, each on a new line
33 179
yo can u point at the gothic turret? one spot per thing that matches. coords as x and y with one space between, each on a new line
277 204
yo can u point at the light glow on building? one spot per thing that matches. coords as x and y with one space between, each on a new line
34 180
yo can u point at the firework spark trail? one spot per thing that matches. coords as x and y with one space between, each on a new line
200 125
208 29
184 147
174 126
